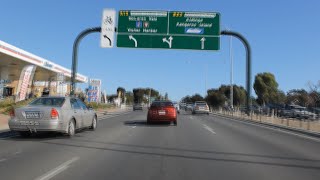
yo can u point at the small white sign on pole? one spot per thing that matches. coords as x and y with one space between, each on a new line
108 28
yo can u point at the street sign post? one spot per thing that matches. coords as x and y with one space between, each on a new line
169 30
107 28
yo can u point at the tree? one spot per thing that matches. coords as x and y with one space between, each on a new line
196 97
129 97
266 88
215 98
314 93
166 96
298 96
121 93
239 94
186 99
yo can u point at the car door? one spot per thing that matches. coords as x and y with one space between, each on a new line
86 115
77 112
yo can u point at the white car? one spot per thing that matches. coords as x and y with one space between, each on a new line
200 107
176 105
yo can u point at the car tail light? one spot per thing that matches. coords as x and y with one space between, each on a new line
197 107
54 114
171 110
207 107
12 113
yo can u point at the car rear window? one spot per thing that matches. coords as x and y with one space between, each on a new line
201 104
161 104
48 102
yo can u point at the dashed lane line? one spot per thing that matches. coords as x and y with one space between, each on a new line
57 170
209 129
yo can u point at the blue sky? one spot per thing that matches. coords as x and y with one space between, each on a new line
284 36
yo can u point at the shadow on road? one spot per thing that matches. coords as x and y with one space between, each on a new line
201 156
144 123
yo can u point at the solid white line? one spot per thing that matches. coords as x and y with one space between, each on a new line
275 129
134 126
2 160
57 170
209 129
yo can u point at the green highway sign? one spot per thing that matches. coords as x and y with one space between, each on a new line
149 22
169 30
168 42
195 23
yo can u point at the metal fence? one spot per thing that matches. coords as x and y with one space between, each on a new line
312 124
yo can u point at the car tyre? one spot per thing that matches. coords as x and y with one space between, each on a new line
94 124
175 122
71 128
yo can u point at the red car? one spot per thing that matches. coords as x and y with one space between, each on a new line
162 111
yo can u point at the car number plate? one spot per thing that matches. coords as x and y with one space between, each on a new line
30 123
162 112
32 115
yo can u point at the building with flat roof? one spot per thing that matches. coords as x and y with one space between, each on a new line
23 74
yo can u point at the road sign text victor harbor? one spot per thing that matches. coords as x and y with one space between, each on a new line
169 30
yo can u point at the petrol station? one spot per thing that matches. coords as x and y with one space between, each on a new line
23 74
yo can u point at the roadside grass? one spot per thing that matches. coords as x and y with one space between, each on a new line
8 104
100 106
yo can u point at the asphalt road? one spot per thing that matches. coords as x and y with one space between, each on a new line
200 147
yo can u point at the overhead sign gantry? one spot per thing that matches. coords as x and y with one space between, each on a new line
163 30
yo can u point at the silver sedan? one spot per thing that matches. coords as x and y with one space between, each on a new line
57 114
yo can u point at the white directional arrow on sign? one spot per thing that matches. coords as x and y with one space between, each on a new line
202 42
169 42
135 41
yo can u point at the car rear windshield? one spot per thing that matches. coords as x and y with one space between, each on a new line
161 104
48 102
201 104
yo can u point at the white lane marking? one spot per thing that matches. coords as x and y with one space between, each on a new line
191 117
134 126
2 160
209 129
274 128
16 153
57 170
111 116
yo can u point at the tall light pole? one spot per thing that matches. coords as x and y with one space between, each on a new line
206 79
231 73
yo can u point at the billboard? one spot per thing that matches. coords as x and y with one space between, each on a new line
94 90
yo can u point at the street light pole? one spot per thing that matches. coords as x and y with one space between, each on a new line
75 55
231 74
248 64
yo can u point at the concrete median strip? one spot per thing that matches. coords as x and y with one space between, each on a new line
57 170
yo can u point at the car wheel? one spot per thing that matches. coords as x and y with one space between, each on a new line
24 134
94 123
71 128
207 113
175 122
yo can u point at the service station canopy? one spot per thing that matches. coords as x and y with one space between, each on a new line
168 30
